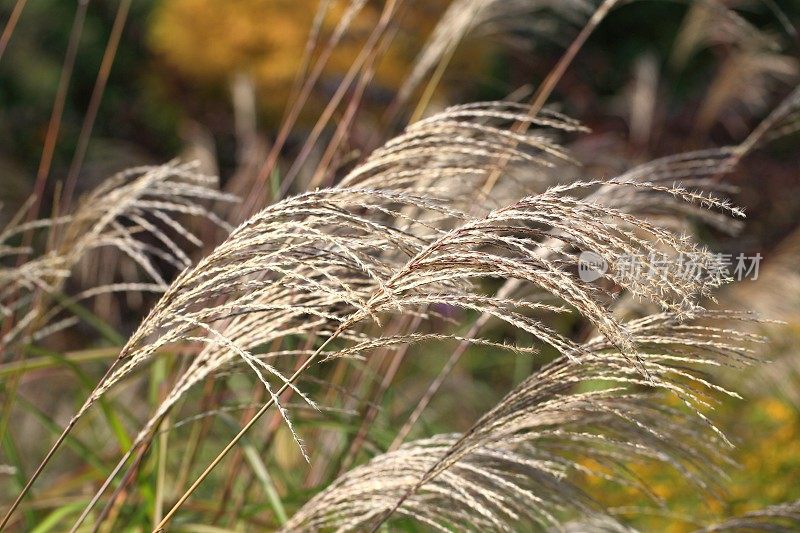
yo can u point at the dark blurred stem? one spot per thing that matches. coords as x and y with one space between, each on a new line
94 103
11 25
51 138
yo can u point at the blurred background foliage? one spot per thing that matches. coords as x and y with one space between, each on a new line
171 90
172 77
171 81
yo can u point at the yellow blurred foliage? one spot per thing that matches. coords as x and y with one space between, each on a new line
209 41
766 435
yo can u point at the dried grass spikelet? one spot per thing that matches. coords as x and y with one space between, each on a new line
700 172
350 277
460 147
136 212
300 267
398 235
394 203
516 464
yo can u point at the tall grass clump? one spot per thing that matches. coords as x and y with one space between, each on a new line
296 349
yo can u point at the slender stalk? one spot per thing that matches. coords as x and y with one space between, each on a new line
114 501
37 473
341 89
251 205
94 102
45 162
11 25
432 84
544 91
54 126
325 168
